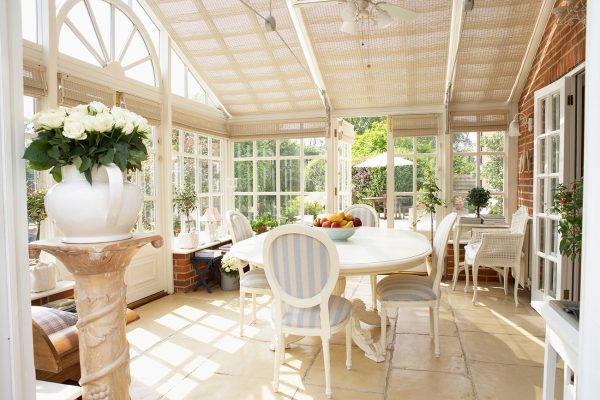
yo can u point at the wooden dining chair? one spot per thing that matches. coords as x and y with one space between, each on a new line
369 217
254 281
412 290
302 268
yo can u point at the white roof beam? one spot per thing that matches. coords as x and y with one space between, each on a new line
456 24
307 50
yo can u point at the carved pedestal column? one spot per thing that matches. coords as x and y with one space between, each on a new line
99 270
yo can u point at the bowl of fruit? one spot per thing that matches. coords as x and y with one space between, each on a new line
338 226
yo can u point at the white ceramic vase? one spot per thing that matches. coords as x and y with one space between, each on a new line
102 212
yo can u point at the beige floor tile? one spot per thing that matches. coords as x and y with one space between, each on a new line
365 375
494 321
417 352
497 381
416 320
503 348
312 392
427 385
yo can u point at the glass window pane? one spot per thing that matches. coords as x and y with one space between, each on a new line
541 274
243 204
556 112
542 195
314 175
552 278
553 187
554 153
175 140
464 177
314 146
29 19
289 147
177 75
424 164
203 175
495 206
403 178
289 171
242 149
189 170
403 145
176 173
195 91
267 204
492 141
149 216
148 176
189 142
426 144
216 203
216 147
216 176
403 211
290 209
492 173
459 204
242 172
542 155
265 148
543 116
266 175
465 142
202 145
553 237
542 235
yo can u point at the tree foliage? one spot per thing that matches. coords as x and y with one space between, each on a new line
568 203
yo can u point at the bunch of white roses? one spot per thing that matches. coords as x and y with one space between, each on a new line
78 121
230 265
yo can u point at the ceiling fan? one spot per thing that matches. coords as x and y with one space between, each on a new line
355 11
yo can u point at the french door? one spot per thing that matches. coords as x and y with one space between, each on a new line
551 168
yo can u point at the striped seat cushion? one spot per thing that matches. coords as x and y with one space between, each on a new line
339 312
255 278
405 288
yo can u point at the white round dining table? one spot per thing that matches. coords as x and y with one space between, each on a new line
369 251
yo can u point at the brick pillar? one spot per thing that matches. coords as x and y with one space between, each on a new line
483 275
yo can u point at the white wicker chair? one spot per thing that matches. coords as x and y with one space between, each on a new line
498 249
254 281
302 267
412 290
369 217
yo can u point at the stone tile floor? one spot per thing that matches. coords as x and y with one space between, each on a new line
186 346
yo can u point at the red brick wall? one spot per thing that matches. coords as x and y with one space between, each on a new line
561 49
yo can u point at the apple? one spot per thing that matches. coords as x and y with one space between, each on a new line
336 225
324 219
317 222
325 224
357 221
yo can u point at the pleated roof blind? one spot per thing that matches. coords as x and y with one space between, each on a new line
415 125
190 121
74 91
146 108
34 80
346 131
306 128
477 121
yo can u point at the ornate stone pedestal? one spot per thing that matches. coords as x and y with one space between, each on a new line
99 270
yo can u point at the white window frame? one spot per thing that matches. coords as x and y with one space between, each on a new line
302 193
478 154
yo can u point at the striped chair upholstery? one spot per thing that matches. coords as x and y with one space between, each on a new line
255 278
300 265
367 214
339 311
410 288
239 227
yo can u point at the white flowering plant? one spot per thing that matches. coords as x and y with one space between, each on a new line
85 136
230 265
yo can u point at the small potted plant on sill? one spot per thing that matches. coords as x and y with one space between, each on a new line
263 223
230 273
185 202
478 198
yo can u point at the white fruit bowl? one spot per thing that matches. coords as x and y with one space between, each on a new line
339 233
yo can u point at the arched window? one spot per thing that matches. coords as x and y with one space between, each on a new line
108 34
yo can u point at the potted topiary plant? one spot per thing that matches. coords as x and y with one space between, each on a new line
479 198
36 211
263 223
185 202
430 199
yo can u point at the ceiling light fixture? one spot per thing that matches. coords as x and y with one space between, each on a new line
349 27
383 19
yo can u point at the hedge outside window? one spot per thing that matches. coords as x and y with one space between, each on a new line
197 159
284 178
479 159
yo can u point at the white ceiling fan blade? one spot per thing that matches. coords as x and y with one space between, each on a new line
310 3
397 11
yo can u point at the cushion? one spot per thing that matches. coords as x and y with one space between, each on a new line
405 288
339 311
52 320
255 278
471 251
